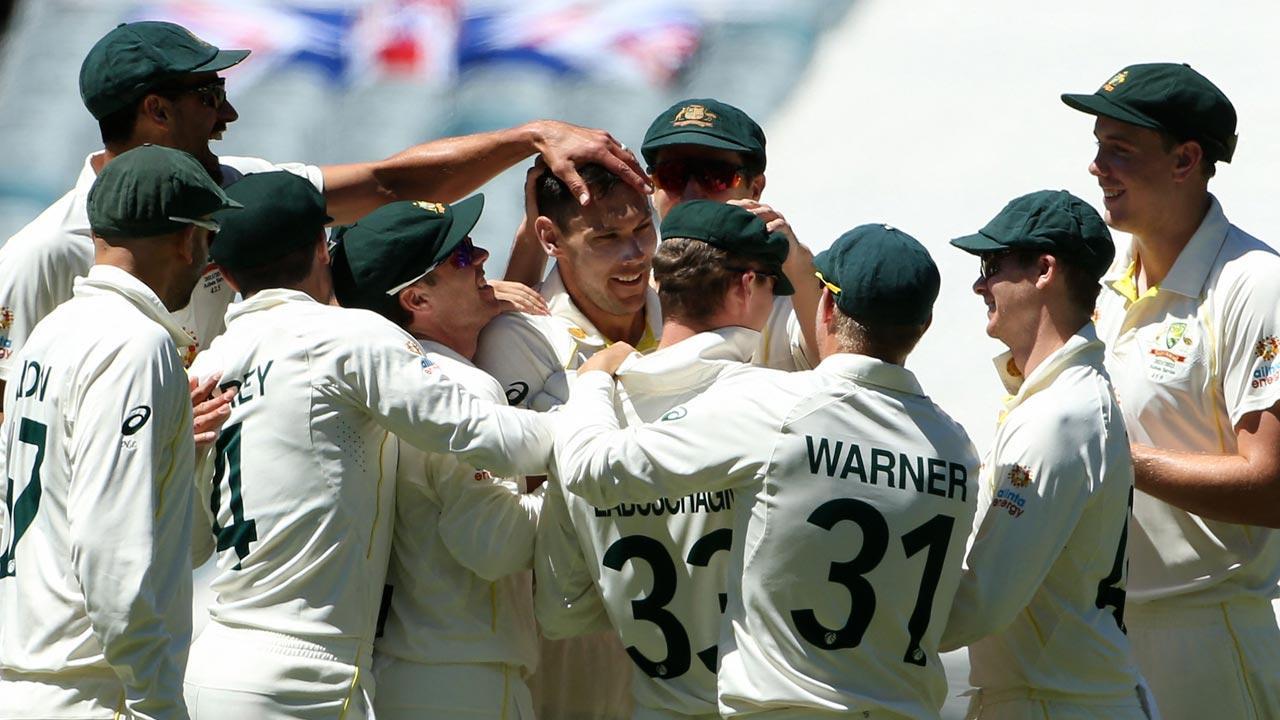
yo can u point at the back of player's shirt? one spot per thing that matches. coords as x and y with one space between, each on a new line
853 550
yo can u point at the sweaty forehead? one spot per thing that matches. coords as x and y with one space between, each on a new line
622 209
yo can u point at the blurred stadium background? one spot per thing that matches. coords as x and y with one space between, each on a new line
926 114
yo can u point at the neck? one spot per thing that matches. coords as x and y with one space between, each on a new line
1051 333
615 328
1156 249
159 279
460 340
675 330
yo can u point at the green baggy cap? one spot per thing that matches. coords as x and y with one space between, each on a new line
134 57
152 190
1170 97
1049 221
396 244
282 213
881 275
733 229
707 122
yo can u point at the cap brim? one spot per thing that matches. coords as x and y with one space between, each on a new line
466 214
1099 105
223 60
692 138
978 244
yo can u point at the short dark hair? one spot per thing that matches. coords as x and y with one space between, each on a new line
285 271
1208 159
556 201
392 310
117 128
693 277
888 342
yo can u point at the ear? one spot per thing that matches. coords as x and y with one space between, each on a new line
186 244
1046 270
1187 159
156 109
548 236
757 186
413 301
827 310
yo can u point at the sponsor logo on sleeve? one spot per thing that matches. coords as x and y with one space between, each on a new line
517 392
1019 476
135 419
6 318
674 413
1268 371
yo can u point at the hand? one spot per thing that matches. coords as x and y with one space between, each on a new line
608 359
208 411
518 297
799 262
566 147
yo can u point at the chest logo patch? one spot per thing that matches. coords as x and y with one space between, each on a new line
1267 348
134 421
1019 476
674 414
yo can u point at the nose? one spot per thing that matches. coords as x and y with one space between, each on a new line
980 285
227 112
478 255
1098 167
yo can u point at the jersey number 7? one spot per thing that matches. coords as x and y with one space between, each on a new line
23 511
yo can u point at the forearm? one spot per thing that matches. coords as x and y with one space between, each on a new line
443 170
799 270
1227 488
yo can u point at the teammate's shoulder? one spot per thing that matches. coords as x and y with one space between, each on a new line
54 236
235 167
513 331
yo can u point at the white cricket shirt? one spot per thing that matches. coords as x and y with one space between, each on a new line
1188 359
853 495
657 567
1041 601
95 569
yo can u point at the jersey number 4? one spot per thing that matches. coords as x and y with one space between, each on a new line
934 535
653 608
240 532
22 512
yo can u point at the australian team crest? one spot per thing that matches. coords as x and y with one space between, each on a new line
1115 80
1267 348
694 115
1019 476
1175 334
434 207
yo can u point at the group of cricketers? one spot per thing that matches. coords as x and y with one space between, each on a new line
685 474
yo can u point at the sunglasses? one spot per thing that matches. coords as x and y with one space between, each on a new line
462 257
990 263
757 271
713 175
212 94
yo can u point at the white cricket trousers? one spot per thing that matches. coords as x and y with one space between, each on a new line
83 693
583 678
1029 704
237 674
1219 661
475 691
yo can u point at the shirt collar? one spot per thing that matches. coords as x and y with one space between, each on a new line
431 346
866 370
1190 271
1082 348
561 305
266 299
690 360
103 279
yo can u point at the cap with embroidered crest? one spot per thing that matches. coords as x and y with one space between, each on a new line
1171 97
706 122
396 245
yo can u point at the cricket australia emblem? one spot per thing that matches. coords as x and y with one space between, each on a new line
694 115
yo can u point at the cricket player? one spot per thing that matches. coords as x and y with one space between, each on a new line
1190 312
155 82
1041 602
705 149
95 565
301 499
852 496
459 635
658 569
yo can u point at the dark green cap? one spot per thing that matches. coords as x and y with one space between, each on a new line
397 244
706 122
1049 221
282 213
1170 97
732 229
134 57
139 193
880 274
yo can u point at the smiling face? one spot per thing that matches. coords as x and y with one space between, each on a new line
460 290
1007 289
1137 172
605 252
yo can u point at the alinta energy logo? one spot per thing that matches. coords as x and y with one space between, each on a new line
1267 372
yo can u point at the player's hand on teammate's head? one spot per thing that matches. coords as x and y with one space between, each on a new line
566 147
210 409
518 297
607 360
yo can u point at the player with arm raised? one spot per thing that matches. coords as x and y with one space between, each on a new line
852 496
301 499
